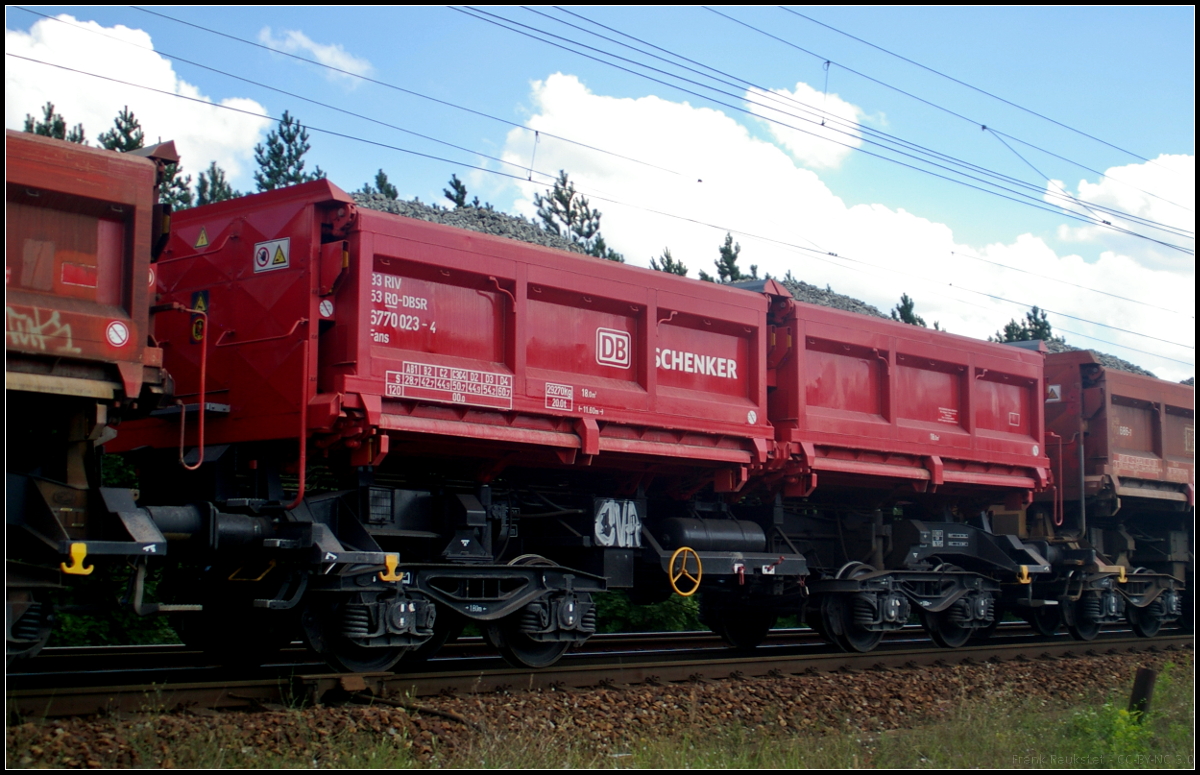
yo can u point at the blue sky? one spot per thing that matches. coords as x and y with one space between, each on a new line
1122 75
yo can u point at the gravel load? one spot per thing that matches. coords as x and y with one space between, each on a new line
811 294
478 219
1106 360
514 227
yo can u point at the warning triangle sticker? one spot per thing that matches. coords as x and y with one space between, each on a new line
202 240
279 258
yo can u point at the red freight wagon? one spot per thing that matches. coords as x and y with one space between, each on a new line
79 226
481 403
1118 524
1139 432
388 329
860 400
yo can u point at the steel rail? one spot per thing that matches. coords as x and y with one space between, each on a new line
82 660
597 670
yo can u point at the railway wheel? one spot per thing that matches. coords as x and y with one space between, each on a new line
741 628
944 630
1045 620
987 631
29 625
324 622
518 648
953 626
1082 626
837 615
1145 622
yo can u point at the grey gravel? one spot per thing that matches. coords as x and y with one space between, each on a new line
478 219
515 227
811 294
1106 360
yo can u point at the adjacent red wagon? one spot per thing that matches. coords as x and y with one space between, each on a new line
78 274
860 400
386 330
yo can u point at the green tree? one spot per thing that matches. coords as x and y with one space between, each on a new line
381 187
728 270
1034 326
176 190
457 193
126 134
904 312
567 213
281 160
213 186
54 125
668 264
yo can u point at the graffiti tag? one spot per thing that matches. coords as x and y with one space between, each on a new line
43 331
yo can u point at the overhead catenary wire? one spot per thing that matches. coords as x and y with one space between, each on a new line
310 127
1010 103
1047 178
1114 344
857 126
1068 282
293 95
924 101
1035 202
401 89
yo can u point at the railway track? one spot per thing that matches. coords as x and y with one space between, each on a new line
88 663
467 668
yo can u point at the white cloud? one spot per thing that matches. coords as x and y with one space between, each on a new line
825 125
333 54
202 132
786 218
1162 191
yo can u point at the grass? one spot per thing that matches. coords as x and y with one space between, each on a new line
988 734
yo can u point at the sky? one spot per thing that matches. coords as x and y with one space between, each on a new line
979 160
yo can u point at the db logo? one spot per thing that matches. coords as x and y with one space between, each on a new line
612 348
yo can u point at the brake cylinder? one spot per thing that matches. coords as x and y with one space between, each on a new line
722 535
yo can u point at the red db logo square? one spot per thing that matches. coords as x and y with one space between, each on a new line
612 348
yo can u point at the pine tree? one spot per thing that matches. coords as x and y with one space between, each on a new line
457 193
176 190
1034 326
54 125
668 264
904 313
568 214
126 134
384 187
213 186
727 269
381 187
281 160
